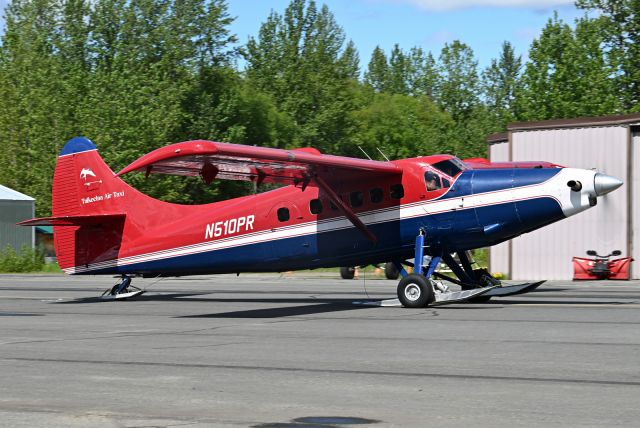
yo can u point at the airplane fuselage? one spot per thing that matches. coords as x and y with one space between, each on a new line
290 228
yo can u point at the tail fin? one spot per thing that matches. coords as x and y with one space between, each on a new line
83 184
88 207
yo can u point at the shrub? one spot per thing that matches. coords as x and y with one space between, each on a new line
28 260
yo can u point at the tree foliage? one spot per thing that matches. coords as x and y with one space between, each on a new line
134 75
301 60
620 27
567 74
501 85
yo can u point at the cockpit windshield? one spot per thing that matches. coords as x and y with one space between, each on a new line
451 167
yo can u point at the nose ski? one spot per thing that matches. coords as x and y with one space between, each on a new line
122 290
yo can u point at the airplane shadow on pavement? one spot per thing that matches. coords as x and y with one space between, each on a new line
287 311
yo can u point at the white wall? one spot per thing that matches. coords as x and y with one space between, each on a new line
635 200
499 254
546 253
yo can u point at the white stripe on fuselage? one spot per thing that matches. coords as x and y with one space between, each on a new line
551 188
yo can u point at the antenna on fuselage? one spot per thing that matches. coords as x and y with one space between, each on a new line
382 153
365 153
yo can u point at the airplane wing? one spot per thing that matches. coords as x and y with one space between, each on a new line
212 160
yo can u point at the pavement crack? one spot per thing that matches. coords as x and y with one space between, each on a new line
310 370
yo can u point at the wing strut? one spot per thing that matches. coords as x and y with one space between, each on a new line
345 209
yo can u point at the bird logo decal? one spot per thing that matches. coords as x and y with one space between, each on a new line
85 173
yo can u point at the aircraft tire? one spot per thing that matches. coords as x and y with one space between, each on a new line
415 291
391 271
347 272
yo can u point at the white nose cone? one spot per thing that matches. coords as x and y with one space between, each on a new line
604 184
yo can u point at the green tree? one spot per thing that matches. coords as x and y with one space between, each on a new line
567 74
401 126
37 92
620 26
399 71
130 74
424 77
501 85
458 91
301 60
377 74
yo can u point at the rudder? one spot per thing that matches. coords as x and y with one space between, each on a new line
84 185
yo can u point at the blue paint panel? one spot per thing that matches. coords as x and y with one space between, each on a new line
491 180
77 145
529 176
461 187
539 212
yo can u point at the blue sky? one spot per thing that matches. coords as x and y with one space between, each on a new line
482 24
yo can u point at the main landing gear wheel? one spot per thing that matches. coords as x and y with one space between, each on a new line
347 272
391 271
415 291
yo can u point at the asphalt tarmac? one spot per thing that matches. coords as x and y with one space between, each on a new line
293 351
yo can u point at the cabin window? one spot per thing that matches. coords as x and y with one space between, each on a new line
445 183
356 199
376 195
432 181
315 206
397 191
283 214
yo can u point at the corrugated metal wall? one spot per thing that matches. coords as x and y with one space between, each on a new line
635 200
12 212
499 254
546 253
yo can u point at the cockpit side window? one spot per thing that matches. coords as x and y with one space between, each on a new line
432 181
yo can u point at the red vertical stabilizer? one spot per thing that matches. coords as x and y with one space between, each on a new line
88 207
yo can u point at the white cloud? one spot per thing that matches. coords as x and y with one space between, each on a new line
441 37
439 5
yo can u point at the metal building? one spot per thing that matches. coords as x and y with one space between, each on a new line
610 144
15 207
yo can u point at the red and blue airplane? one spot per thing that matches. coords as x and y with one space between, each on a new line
332 211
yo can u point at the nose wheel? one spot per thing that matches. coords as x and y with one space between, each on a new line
418 290
415 291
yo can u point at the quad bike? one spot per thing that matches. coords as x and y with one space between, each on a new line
600 267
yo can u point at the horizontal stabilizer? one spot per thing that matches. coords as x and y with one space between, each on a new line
77 220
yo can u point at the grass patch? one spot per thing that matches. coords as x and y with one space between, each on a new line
51 268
